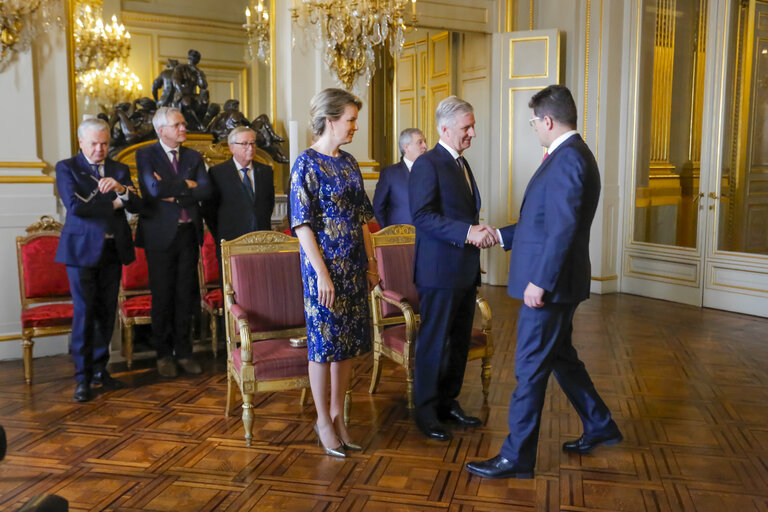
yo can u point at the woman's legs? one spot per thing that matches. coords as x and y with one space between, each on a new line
318 381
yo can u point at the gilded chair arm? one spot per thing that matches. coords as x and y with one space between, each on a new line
393 297
411 324
485 312
241 317
238 312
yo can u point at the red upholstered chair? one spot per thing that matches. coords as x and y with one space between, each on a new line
264 308
46 303
134 301
395 310
211 297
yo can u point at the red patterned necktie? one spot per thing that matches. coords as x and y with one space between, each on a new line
184 217
546 154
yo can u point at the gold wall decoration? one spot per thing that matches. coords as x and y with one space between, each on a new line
663 72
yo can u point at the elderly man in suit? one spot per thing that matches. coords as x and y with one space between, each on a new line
390 201
243 193
549 270
173 180
95 242
445 205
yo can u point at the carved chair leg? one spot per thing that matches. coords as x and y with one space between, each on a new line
214 335
409 386
248 418
128 340
303 397
347 404
486 378
231 395
26 345
376 373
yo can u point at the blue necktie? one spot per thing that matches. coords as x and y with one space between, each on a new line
95 171
248 184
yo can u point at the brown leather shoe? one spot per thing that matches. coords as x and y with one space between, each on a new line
166 367
191 366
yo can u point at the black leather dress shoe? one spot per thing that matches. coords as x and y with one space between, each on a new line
586 443
434 431
106 381
82 392
498 467
457 415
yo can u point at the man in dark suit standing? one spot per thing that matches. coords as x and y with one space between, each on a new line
95 242
173 180
243 193
390 201
549 270
445 205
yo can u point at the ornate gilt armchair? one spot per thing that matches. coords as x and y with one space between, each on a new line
46 303
395 310
211 296
263 310
134 300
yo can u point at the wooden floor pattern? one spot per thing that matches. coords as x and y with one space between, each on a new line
688 387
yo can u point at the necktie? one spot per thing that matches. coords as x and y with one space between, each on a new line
248 184
95 171
546 154
184 217
463 167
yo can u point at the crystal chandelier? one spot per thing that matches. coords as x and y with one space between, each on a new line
110 86
350 30
97 45
257 27
21 21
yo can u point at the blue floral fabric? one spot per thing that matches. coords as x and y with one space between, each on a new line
327 193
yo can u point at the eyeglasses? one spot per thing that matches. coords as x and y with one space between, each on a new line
176 126
249 144
531 120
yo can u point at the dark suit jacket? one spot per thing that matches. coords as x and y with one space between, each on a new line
90 214
159 219
443 209
550 242
230 212
390 201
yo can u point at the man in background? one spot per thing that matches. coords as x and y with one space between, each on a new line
390 201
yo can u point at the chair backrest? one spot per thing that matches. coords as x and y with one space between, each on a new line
135 275
263 270
210 274
41 279
394 248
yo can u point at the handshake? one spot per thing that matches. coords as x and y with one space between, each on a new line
483 236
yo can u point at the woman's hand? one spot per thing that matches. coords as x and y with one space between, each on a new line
373 279
326 293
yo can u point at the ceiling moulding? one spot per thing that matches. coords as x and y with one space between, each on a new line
459 15
159 22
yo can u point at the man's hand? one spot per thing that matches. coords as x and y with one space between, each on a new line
191 184
532 296
110 184
482 236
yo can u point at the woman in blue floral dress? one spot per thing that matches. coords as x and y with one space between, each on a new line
329 212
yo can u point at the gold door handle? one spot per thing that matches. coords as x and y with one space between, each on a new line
712 195
697 197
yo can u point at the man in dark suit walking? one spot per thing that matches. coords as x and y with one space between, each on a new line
549 270
173 180
390 201
243 193
95 242
445 205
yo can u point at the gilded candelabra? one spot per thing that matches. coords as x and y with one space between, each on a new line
21 21
350 30
257 27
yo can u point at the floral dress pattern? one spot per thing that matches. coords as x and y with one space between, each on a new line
327 193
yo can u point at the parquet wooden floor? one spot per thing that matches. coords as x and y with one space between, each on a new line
688 387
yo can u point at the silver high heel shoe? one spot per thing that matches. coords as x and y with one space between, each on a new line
334 452
350 445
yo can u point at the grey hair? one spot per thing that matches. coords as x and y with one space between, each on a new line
93 123
406 137
445 114
160 118
236 131
329 104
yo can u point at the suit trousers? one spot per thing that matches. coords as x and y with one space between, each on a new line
441 349
173 283
94 296
544 346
